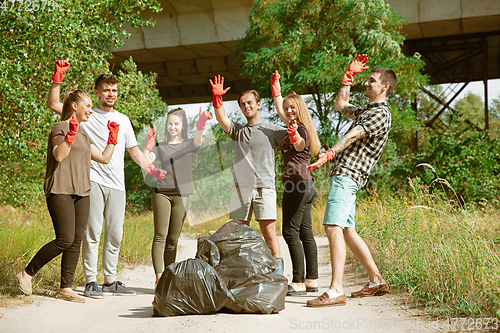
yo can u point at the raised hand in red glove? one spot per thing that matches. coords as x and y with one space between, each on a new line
355 67
61 67
155 172
292 133
202 120
113 132
73 130
218 90
275 84
322 158
150 141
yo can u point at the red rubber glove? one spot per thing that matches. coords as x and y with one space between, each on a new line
73 130
155 172
113 132
150 141
292 133
275 84
61 67
218 90
322 158
202 120
355 67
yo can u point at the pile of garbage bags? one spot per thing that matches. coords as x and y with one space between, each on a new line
233 269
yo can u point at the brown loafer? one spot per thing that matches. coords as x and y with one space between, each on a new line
74 297
368 291
324 300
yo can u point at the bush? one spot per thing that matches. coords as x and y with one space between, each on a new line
469 163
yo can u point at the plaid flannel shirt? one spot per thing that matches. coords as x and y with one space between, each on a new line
358 159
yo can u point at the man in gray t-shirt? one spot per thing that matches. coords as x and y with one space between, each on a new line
255 147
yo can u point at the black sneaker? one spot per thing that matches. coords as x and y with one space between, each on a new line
92 290
117 288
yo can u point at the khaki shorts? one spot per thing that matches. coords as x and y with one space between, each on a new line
341 202
247 200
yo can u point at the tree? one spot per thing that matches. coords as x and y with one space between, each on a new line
471 108
311 44
34 36
465 160
460 154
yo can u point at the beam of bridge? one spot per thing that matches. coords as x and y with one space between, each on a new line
193 40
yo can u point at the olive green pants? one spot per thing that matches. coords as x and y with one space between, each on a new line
169 213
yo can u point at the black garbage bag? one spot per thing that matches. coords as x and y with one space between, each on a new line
190 287
247 268
264 294
208 251
280 266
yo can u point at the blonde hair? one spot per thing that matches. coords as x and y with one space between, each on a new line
304 118
75 96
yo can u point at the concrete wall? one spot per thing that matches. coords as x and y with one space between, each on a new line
192 22
435 18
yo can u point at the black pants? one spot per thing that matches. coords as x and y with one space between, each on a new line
69 214
298 197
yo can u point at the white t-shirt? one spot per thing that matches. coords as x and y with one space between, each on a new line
111 175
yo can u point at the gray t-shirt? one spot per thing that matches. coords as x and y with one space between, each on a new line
255 148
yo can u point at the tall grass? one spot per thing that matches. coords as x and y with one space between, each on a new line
137 238
447 257
22 234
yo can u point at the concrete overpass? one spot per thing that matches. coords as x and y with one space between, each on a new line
193 40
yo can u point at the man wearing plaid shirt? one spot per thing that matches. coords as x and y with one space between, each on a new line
354 156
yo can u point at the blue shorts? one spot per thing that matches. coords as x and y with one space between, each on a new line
341 203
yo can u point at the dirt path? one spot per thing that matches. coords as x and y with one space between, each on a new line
133 313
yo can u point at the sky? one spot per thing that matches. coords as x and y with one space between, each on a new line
476 87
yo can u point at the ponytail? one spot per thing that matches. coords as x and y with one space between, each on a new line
75 96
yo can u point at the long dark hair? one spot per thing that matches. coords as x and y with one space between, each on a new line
179 112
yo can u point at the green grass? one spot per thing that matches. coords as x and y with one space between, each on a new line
444 257
22 233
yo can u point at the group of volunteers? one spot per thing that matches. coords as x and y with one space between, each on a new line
85 186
